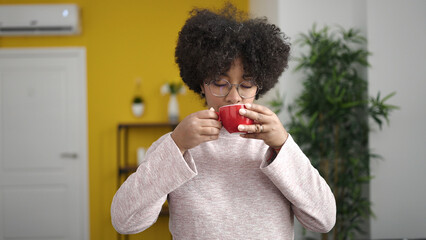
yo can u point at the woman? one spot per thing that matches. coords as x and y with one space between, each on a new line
220 185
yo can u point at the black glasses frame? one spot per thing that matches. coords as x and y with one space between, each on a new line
237 86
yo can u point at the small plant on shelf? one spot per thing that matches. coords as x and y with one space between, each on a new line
138 105
173 88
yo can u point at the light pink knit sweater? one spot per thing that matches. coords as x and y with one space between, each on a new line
224 189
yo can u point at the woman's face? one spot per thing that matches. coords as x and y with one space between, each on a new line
234 75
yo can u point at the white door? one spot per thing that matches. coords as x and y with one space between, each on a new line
43 144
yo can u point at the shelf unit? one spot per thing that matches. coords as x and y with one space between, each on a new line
125 168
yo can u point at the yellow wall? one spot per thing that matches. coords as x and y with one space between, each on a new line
125 40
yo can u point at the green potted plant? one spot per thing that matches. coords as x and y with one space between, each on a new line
329 120
138 106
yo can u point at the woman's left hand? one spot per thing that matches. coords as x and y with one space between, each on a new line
267 126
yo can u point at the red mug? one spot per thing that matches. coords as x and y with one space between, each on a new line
230 117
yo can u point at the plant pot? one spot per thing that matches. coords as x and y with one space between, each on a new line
173 109
137 109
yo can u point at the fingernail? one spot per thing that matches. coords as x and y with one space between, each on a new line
241 127
212 109
248 105
242 111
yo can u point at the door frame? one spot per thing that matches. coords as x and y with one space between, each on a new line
80 54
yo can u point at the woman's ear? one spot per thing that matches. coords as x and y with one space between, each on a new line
202 89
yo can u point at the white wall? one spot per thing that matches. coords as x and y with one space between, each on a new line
397 38
396 32
295 17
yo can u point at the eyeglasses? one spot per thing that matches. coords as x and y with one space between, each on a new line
221 88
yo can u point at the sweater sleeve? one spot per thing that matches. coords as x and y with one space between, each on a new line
137 203
312 200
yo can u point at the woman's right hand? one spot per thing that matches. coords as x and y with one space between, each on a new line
199 127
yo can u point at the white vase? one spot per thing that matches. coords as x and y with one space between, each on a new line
173 109
140 155
137 109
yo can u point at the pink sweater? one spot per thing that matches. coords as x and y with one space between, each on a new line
224 189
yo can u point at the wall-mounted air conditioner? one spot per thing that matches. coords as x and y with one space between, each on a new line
39 19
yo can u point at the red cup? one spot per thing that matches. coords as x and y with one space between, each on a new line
230 117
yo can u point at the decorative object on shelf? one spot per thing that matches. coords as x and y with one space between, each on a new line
173 88
138 106
140 154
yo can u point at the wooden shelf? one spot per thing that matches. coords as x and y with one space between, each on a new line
127 169
164 211
147 125
123 165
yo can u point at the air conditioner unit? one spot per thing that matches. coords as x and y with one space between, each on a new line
39 19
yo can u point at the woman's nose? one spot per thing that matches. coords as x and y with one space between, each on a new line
233 97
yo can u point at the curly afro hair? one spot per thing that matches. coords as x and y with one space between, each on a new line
209 42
